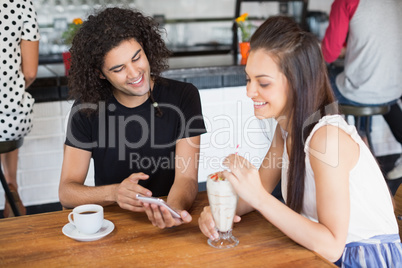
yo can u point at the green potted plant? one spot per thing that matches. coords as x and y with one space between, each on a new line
67 38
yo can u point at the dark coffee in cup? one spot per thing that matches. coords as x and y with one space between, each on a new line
88 219
87 212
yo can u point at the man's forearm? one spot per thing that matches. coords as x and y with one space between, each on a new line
73 194
183 193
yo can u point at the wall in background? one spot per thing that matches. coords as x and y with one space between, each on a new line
40 157
320 5
54 15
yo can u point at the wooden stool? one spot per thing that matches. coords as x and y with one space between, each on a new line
359 112
5 147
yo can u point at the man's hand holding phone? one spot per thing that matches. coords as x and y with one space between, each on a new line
161 214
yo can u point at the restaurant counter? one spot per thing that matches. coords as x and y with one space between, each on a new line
212 71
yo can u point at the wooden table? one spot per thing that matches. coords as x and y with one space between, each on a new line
38 241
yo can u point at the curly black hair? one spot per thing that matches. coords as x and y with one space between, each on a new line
101 32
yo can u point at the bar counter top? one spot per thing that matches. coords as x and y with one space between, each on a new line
207 71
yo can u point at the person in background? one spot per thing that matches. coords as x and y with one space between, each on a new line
141 130
19 34
337 202
393 118
372 57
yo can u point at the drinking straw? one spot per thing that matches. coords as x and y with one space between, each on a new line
237 149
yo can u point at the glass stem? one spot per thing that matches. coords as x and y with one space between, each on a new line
225 235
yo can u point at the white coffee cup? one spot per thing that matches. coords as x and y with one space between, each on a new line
88 219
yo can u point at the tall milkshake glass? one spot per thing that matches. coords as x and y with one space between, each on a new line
223 202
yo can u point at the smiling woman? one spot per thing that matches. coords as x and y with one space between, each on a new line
125 111
337 201
266 86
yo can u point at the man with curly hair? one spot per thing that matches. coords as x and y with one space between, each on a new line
141 130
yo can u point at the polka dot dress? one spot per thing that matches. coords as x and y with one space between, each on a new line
17 22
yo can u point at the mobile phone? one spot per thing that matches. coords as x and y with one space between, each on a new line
159 202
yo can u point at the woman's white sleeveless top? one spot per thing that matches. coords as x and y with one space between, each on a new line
371 208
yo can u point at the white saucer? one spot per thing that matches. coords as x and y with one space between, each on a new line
70 231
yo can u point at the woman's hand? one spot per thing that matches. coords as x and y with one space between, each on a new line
207 224
244 178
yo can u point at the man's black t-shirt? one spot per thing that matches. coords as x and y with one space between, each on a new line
129 140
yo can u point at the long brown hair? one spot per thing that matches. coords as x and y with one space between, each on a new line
299 58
